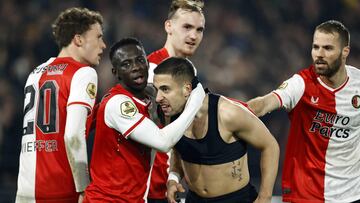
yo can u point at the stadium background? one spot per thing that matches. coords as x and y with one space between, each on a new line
248 49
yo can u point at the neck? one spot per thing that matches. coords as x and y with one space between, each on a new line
204 108
337 79
70 52
140 94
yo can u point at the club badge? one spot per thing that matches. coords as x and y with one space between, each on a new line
128 109
283 85
91 90
355 101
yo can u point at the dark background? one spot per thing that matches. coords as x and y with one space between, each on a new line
248 49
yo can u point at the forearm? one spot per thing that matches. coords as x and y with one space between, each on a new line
269 167
176 172
263 105
164 139
75 144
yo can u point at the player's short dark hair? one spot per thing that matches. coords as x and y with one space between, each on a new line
334 26
73 21
179 68
123 42
189 5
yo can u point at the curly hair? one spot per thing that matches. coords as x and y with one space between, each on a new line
73 21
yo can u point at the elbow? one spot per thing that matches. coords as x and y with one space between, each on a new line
272 148
163 146
275 149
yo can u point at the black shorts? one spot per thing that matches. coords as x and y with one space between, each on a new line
246 194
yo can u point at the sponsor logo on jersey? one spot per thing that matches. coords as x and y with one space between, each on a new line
355 101
283 86
314 100
128 109
91 90
330 125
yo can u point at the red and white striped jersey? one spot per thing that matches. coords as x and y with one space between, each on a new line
160 171
120 167
44 173
322 161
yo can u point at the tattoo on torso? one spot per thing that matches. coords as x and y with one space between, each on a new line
236 172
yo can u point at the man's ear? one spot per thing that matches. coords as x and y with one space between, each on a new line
113 71
167 26
78 40
346 52
187 89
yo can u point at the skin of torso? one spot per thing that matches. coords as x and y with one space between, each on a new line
214 180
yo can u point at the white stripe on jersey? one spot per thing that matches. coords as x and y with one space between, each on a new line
342 178
26 177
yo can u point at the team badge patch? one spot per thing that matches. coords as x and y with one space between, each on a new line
283 85
128 109
355 101
91 90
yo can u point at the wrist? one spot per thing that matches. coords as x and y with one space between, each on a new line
173 176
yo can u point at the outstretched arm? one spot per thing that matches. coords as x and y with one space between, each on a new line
264 104
239 120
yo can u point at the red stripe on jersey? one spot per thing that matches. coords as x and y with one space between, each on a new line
126 134
309 135
53 179
47 103
280 100
81 103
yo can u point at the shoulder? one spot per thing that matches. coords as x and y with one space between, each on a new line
308 74
353 70
230 110
158 56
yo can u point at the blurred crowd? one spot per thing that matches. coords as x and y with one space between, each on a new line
248 49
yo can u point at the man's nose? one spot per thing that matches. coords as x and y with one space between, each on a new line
159 96
193 35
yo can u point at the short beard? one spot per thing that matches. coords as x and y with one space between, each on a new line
332 69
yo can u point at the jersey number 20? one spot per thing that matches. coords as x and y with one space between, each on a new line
47 108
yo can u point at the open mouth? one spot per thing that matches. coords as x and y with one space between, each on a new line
165 108
139 79
190 43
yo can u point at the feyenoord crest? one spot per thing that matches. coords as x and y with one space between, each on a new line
355 101
128 109
91 90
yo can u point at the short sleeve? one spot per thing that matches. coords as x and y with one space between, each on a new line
83 88
122 114
290 91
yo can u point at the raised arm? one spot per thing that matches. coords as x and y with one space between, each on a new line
238 119
264 104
